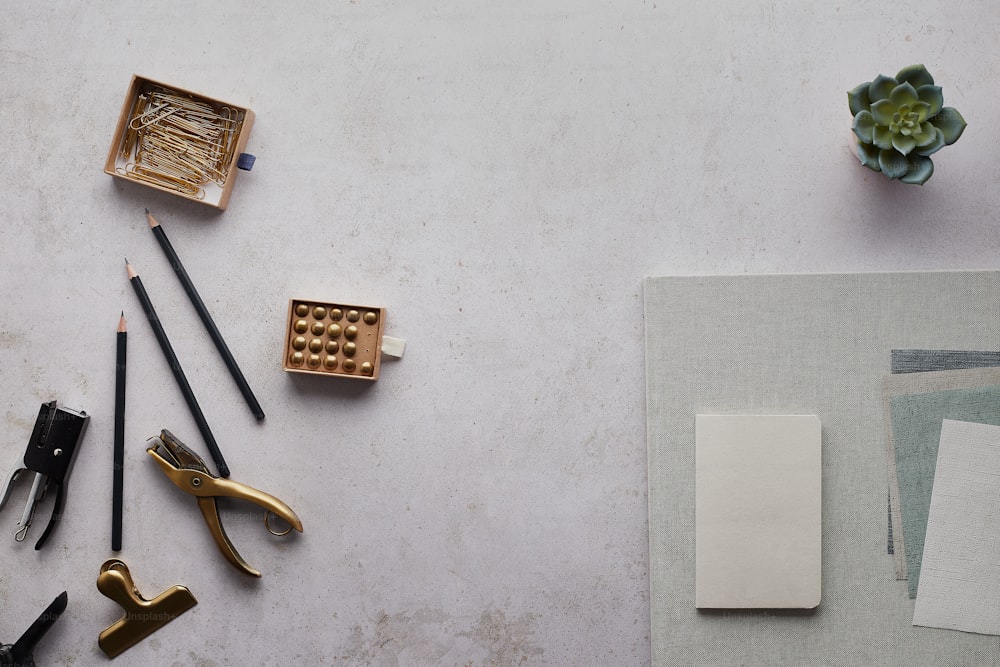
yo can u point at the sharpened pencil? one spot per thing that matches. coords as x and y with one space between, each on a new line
118 488
206 318
175 366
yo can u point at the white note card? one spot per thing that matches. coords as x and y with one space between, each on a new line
758 527
960 571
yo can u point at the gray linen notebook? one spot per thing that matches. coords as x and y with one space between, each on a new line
798 344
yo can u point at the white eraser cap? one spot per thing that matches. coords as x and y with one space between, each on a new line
393 346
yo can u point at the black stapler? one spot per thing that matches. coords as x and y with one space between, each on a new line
49 456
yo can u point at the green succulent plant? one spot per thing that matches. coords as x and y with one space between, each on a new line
901 121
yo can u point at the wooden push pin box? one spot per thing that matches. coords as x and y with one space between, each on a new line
335 339
179 142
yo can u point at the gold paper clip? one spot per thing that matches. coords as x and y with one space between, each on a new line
142 617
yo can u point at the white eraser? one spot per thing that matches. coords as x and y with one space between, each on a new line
393 346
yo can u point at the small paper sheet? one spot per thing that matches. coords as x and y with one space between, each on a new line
757 511
960 573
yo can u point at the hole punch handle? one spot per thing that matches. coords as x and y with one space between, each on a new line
277 533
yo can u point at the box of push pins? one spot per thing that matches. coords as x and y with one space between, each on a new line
323 338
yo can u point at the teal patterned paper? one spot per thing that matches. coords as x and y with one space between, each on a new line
916 427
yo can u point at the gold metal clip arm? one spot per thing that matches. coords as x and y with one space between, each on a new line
142 617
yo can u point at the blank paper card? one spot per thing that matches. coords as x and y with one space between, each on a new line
758 532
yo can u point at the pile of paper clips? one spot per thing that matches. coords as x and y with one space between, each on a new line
179 143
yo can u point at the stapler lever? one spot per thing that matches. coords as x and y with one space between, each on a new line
189 473
49 456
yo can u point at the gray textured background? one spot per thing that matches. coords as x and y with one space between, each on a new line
499 176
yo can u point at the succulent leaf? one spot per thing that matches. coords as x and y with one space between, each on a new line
883 111
868 155
864 126
903 95
880 88
933 96
936 144
951 123
858 100
892 163
922 109
926 134
919 170
916 75
903 143
882 137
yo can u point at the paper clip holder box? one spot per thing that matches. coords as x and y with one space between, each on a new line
120 162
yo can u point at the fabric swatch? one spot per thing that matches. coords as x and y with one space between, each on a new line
916 429
960 575
758 483
919 383
890 548
919 361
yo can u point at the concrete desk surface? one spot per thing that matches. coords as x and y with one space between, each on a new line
500 177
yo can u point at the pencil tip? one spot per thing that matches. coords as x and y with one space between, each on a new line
121 323
151 220
147 211
126 260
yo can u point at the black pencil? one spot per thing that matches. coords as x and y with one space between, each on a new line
206 318
175 366
119 471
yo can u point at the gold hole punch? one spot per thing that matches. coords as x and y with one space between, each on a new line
189 473
142 617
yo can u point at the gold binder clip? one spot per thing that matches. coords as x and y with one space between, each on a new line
142 617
